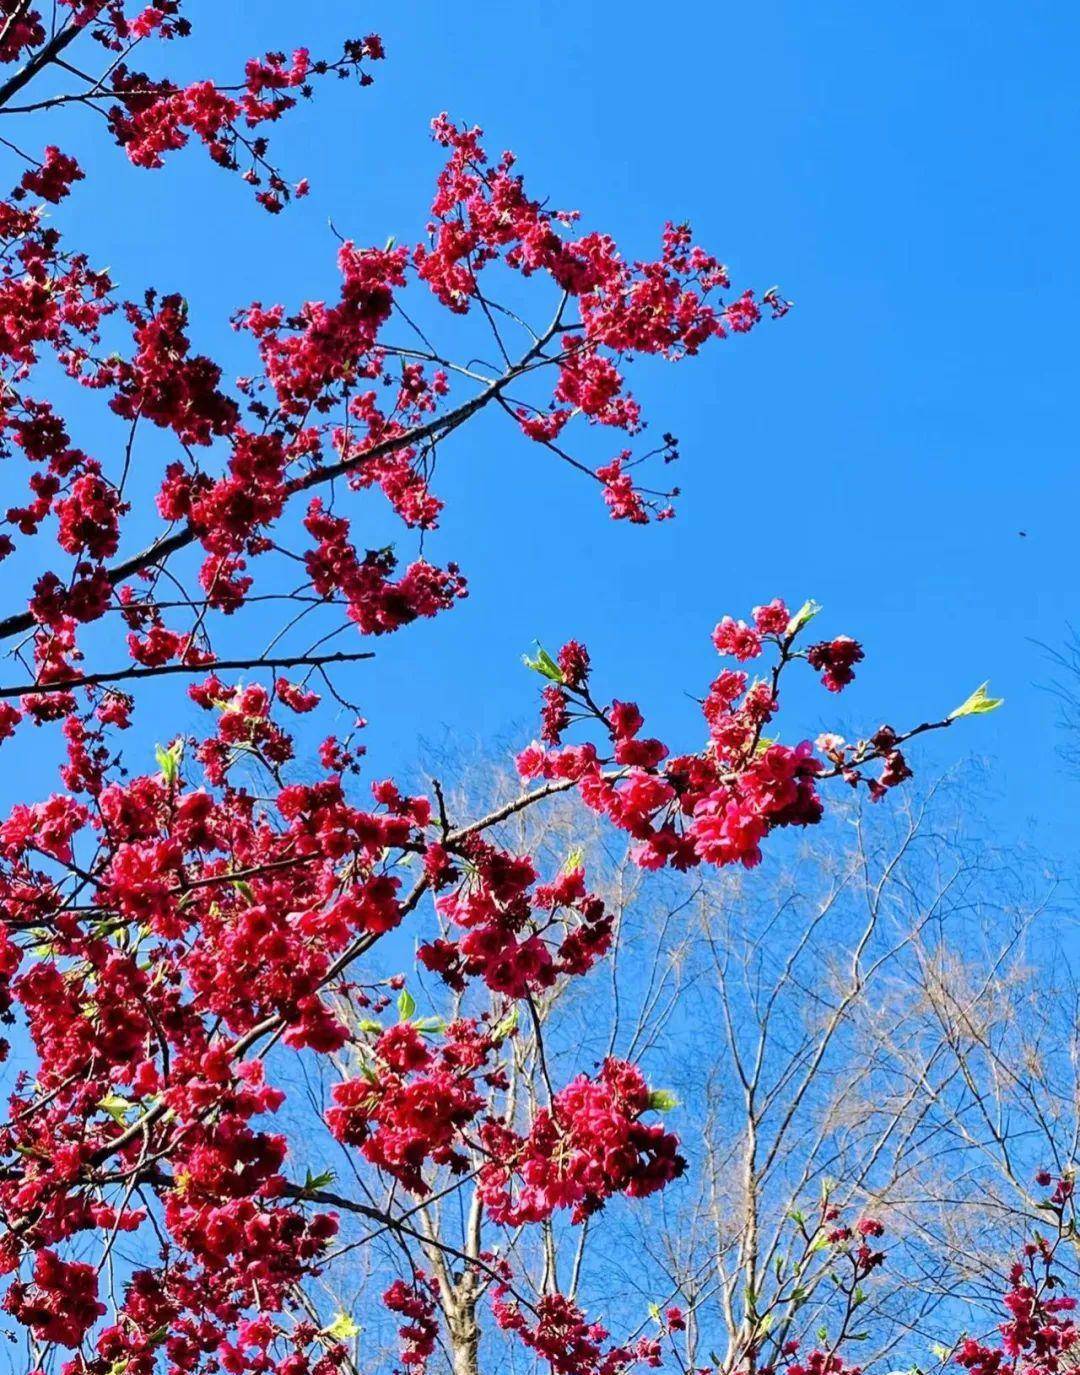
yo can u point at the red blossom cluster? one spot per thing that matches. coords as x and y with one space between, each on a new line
60 1304
316 411
563 1336
716 806
150 118
418 1334
411 1104
518 938
176 921
589 1145
1039 1335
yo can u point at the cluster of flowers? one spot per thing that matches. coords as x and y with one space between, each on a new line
518 939
113 23
716 806
150 118
590 1144
334 398
60 1303
562 1335
411 1106
418 1334
176 920
483 214
153 118
1039 1335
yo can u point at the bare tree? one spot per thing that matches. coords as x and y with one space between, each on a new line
882 1028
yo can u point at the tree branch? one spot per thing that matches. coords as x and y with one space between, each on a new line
127 674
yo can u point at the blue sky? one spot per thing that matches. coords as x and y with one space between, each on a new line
905 173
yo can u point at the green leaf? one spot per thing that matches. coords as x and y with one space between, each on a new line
406 1005
978 704
823 1334
574 860
168 760
430 1026
117 1107
370 1027
43 946
318 1181
544 664
342 1329
245 890
507 1025
654 1312
662 1100
803 616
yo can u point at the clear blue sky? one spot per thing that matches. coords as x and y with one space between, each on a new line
906 173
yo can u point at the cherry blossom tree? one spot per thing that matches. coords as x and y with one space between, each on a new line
172 938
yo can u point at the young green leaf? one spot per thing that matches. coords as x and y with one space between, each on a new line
662 1100
117 1107
544 664
168 760
342 1329
803 616
406 1005
574 860
978 704
503 1029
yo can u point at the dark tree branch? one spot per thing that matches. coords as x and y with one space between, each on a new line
127 674
41 59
